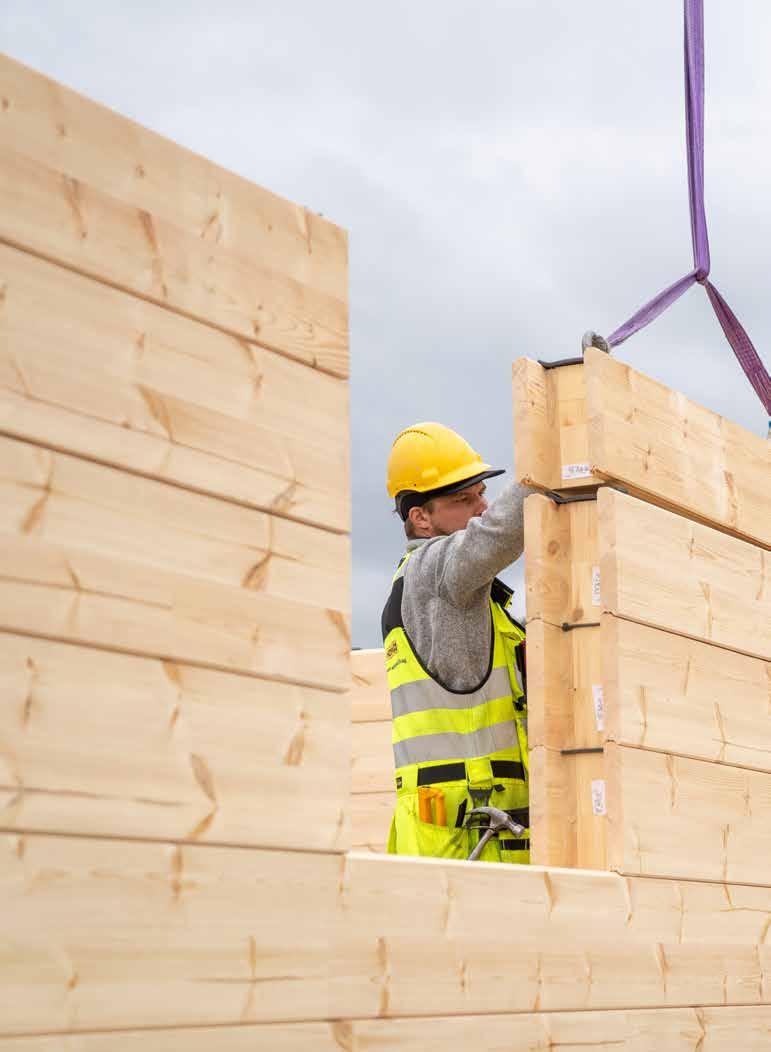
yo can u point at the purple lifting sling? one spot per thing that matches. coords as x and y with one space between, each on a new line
694 124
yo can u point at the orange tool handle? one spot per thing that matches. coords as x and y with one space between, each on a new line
439 814
441 810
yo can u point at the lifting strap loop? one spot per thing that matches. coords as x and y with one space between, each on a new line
742 346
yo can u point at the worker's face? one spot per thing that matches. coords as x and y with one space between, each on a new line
453 512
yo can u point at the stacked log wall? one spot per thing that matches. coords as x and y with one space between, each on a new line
676 503
174 582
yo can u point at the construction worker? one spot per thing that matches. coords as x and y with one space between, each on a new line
454 655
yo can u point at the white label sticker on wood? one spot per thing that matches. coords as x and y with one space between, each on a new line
599 706
576 471
598 796
596 600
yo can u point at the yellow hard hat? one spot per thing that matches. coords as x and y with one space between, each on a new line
428 460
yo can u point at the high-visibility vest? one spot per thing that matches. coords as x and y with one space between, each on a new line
468 747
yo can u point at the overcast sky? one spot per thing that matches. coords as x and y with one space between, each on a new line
510 175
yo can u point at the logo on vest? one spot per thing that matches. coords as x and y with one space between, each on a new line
392 651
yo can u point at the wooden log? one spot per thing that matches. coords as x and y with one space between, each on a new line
673 816
372 764
565 718
677 695
664 570
670 449
719 1029
715 1029
553 838
278 1037
46 211
371 815
370 698
562 571
56 126
111 934
101 934
53 497
372 757
564 672
419 940
553 809
90 189
565 691
582 424
96 372
551 443
94 555
106 744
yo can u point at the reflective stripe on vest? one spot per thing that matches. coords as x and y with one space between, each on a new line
424 694
426 748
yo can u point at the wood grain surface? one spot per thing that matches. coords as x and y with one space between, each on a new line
95 742
95 555
667 448
96 372
667 571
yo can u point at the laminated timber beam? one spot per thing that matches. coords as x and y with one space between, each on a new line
672 816
55 125
565 723
99 743
372 763
564 939
689 767
49 214
94 555
370 699
94 372
77 180
715 1029
666 571
672 694
371 815
108 934
372 767
372 757
551 444
579 425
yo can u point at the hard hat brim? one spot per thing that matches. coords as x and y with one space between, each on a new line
408 499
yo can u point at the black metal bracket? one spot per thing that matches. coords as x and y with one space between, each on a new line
566 626
561 362
572 498
578 752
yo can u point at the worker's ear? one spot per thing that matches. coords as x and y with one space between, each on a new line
421 523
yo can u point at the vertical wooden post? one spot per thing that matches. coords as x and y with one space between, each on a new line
564 683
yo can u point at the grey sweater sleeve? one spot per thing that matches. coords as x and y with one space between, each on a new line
445 604
464 564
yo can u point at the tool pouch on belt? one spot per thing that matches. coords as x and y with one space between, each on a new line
410 835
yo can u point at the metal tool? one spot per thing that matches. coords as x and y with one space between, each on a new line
498 821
